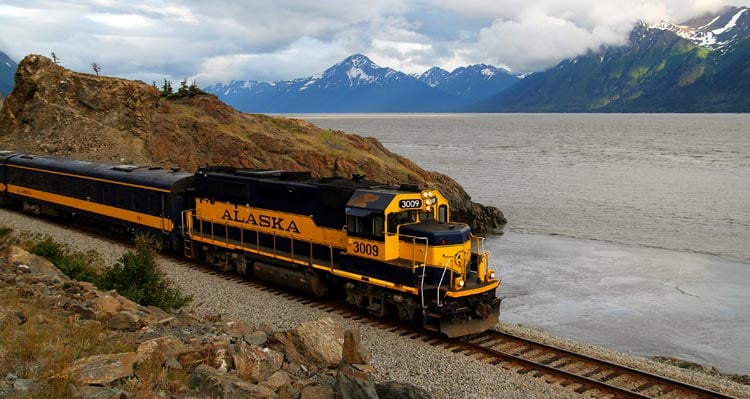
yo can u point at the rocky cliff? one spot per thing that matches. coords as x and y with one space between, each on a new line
57 111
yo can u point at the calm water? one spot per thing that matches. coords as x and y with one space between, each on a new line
627 231
669 181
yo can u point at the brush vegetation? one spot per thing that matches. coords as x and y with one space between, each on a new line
39 343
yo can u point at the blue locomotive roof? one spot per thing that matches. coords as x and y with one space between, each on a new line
147 176
438 233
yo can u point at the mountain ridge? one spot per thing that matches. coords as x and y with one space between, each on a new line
658 70
357 84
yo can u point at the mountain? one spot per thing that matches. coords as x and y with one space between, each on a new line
355 84
7 72
471 83
702 65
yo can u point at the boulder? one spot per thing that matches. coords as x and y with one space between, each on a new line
106 305
125 320
159 350
353 352
397 390
212 383
354 378
257 338
316 344
277 381
256 364
235 328
220 356
21 259
317 392
102 369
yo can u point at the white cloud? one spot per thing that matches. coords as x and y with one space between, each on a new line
284 39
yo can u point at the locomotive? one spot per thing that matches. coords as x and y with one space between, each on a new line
389 250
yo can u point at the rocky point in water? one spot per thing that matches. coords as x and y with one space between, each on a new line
53 110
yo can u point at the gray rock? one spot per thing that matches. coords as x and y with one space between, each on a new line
210 382
397 390
256 364
316 344
26 385
257 338
102 369
354 381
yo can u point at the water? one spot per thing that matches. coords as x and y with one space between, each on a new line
625 230
671 181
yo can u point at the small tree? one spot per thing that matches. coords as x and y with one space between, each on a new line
183 87
137 277
166 88
96 67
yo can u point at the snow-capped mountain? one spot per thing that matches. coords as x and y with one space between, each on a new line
702 65
714 31
471 83
434 76
356 84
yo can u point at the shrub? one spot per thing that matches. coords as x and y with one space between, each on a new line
136 276
76 265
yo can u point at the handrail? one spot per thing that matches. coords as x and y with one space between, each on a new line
414 249
183 216
413 261
437 291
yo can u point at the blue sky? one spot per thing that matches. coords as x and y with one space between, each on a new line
266 40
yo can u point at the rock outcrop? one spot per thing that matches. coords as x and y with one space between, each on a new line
56 111
217 359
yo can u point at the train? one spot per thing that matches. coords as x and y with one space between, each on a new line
390 250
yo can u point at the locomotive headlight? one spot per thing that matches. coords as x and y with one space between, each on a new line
459 283
431 201
491 274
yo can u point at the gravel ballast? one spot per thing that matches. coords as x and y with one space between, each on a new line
441 372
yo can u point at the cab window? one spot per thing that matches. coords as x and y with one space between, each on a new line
398 218
368 227
426 216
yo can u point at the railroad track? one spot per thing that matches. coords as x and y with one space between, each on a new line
580 373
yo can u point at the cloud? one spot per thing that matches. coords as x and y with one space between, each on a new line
284 39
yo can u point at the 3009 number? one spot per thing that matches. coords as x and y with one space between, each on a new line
365 248
410 204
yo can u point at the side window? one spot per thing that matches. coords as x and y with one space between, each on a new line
378 225
154 205
443 214
370 226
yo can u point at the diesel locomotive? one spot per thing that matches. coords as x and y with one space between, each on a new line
390 250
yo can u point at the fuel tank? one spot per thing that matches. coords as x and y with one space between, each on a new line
300 280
